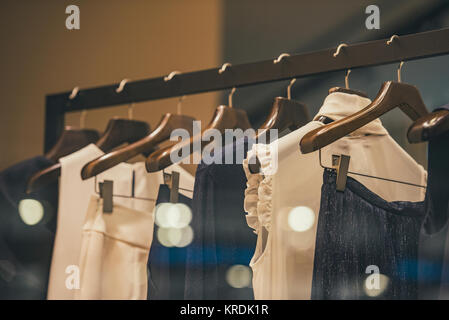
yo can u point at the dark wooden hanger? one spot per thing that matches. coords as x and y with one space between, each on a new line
285 114
434 128
429 126
71 140
118 131
224 118
391 95
168 123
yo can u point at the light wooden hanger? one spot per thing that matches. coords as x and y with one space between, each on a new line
225 117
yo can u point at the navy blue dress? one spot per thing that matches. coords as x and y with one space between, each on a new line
166 265
222 237
26 250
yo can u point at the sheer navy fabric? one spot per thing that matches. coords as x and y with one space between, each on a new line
166 265
359 232
221 235
26 249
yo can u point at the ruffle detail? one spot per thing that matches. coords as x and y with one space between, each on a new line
259 203
251 195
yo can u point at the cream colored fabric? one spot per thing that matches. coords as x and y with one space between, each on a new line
74 197
114 253
283 202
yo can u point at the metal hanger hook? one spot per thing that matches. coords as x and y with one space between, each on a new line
74 93
83 118
223 67
121 86
281 56
347 79
395 36
131 111
230 97
399 71
171 75
340 46
179 106
289 89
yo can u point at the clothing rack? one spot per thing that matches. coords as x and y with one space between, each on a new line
351 56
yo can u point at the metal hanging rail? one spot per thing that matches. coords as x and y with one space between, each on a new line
373 53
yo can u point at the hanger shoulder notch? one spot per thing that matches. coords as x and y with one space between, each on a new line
429 126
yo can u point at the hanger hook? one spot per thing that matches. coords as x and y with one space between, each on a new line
230 97
121 86
119 89
347 79
395 36
223 67
179 106
289 89
130 110
399 71
83 118
171 75
340 46
281 56
74 93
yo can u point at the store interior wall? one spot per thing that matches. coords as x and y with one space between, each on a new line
117 39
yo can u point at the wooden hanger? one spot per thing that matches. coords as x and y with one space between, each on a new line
285 114
225 117
434 128
71 140
168 123
429 126
118 131
391 95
